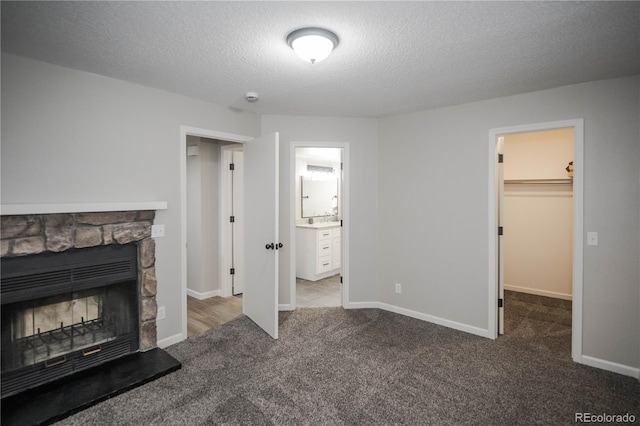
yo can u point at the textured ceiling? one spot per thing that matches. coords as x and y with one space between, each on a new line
393 57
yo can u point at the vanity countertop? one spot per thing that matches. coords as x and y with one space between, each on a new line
319 225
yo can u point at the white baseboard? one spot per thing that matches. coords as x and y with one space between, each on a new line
171 340
363 305
538 292
202 296
418 315
286 307
611 366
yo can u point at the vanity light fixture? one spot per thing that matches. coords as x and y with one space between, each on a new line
312 44
319 169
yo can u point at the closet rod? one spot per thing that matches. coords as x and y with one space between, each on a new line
539 181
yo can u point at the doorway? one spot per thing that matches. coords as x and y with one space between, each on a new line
261 231
213 254
536 200
530 186
319 208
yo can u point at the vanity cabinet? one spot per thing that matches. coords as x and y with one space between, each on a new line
318 251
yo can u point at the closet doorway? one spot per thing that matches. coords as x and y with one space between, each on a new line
318 180
538 247
538 187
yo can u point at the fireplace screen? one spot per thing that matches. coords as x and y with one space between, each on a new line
46 329
66 312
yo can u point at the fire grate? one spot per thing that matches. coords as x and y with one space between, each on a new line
44 345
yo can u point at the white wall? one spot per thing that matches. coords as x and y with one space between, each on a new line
538 239
362 136
194 218
210 166
433 180
538 218
71 136
203 172
538 155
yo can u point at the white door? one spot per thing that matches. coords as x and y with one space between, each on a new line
500 151
261 236
237 236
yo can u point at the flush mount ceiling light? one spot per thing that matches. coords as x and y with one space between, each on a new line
312 44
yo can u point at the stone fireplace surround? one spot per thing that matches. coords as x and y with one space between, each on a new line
51 229
23 235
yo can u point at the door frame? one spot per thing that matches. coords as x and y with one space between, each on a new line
578 225
226 207
204 133
292 215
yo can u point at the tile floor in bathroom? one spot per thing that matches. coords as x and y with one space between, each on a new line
318 294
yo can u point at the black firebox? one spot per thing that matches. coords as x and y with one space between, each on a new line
66 312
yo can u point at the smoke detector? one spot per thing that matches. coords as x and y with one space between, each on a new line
252 97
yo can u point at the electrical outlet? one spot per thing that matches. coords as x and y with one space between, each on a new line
157 231
398 288
161 313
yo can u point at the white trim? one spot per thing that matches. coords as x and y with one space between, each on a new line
15 209
364 305
203 296
344 265
171 340
494 287
538 292
559 194
578 225
578 236
611 366
224 243
286 307
212 134
224 228
418 315
182 146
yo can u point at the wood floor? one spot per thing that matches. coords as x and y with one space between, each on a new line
208 313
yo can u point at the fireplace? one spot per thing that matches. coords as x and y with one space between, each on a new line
65 312
78 311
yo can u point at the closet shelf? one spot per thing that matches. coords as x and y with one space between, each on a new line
540 181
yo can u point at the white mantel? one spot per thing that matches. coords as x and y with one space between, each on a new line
51 208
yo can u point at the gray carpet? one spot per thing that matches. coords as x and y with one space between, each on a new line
371 367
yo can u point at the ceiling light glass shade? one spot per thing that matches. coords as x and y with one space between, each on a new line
312 44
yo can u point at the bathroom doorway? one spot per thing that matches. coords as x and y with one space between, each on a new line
318 190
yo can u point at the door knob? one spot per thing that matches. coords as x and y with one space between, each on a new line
269 246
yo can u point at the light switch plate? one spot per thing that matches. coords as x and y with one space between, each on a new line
592 238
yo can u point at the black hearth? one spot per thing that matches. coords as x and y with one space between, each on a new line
63 313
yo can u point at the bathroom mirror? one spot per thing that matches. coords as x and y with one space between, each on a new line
319 197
